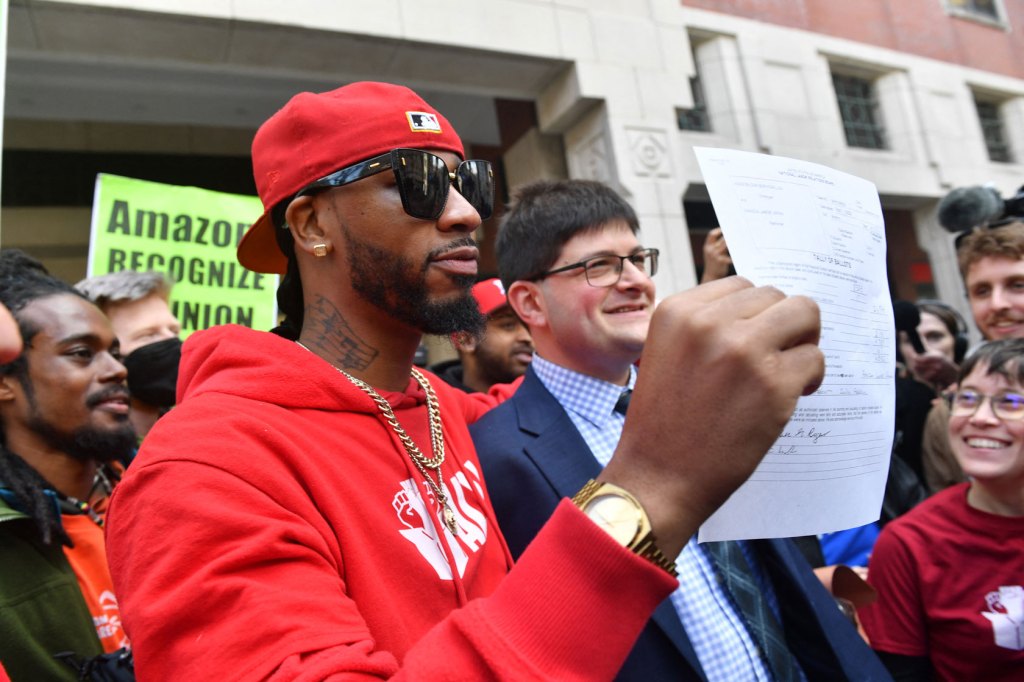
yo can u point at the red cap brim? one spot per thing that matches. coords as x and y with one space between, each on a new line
258 250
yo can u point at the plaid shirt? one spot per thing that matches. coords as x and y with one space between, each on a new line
716 630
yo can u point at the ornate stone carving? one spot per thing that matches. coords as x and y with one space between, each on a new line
591 159
648 149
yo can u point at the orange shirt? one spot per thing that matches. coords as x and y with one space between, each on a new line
88 559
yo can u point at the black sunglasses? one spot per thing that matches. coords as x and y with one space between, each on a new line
423 181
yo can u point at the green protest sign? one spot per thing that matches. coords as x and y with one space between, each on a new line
191 235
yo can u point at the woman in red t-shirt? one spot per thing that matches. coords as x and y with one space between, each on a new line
950 574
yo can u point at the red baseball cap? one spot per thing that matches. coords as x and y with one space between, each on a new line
316 134
489 295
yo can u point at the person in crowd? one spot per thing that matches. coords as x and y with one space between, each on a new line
10 348
920 379
500 355
943 334
577 274
137 304
948 573
313 507
991 263
63 414
717 261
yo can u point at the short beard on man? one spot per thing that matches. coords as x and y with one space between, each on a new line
87 442
393 284
497 367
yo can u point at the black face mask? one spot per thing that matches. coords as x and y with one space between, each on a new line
153 372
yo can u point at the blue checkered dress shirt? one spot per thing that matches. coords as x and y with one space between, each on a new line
716 631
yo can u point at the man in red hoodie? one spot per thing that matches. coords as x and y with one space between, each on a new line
313 507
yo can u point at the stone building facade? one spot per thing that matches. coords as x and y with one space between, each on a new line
918 96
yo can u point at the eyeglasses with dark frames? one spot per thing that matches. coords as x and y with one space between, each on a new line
606 270
423 181
1008 405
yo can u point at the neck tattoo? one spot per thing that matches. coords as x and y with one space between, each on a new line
423 463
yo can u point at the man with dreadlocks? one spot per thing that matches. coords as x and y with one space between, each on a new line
63 414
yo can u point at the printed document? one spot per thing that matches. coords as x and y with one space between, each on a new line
811 230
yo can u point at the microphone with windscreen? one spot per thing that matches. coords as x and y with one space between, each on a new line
965 208
907 318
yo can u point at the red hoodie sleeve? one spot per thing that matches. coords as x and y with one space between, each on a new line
476 405
217 581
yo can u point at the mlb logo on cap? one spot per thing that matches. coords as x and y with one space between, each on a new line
423 122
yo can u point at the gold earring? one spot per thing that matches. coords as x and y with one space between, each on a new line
320 250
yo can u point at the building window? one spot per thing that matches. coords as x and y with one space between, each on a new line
984 9
697 117
993 130
858 106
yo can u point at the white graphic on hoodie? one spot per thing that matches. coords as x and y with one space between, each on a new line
413 513
109 624
1006 613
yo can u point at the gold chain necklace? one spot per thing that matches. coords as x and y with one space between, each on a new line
422 462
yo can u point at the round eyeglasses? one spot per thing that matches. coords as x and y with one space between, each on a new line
606 270
1008 406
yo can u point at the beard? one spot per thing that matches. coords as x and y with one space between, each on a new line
499 367
87 442
398 287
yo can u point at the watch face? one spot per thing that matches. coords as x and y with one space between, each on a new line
619 517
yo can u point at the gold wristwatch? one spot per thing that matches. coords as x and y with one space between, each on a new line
620 515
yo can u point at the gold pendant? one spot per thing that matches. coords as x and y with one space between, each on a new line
449 519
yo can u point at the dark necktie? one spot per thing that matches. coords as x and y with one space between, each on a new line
762 624
622 404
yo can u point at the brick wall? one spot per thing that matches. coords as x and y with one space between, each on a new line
920 27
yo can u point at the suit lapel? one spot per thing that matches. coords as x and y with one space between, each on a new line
564 459
556 448
798 590
668 620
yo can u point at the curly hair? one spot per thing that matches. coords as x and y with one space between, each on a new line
1003 241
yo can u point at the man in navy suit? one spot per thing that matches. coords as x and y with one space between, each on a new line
580 279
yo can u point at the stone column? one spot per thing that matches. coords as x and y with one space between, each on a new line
615 110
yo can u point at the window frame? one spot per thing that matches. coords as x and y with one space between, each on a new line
998 146
857 133
967 9
695 119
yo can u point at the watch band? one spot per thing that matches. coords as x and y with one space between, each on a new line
643 543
